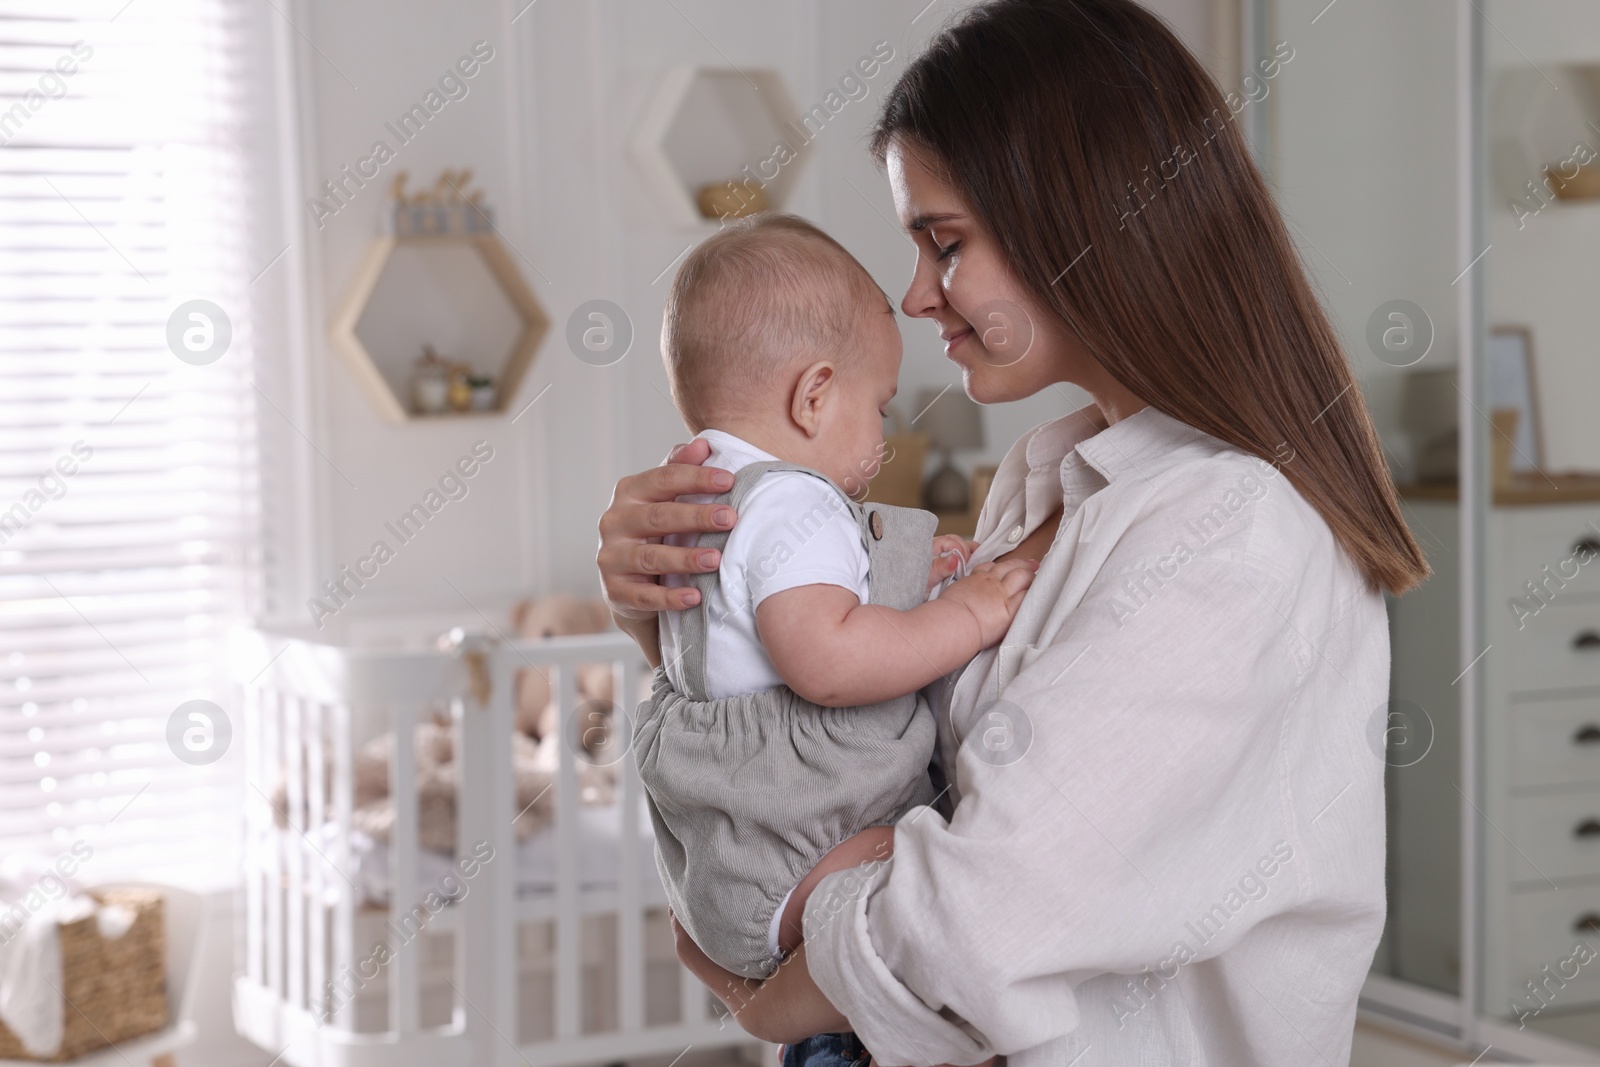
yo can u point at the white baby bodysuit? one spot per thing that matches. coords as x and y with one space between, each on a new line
792 530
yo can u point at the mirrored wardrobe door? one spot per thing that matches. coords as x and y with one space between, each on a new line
1539 876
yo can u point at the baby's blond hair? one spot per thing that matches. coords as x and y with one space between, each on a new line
767 293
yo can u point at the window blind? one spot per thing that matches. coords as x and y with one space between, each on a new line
129 489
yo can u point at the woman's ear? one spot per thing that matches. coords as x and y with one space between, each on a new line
812 394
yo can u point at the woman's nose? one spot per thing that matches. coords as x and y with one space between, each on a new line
924 296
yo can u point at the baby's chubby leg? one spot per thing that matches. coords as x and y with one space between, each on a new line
873 843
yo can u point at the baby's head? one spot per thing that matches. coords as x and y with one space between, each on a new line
775 334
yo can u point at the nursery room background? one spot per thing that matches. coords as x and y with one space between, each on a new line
326 330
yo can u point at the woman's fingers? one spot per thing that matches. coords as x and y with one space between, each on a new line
643 510
644 504
637 598
628 570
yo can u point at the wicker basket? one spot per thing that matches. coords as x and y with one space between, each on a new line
115 987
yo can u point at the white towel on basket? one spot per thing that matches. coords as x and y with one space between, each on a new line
31 998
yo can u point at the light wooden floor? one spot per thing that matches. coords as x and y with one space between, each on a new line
1380 1048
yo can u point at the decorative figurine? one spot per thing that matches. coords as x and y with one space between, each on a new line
460 387
430 386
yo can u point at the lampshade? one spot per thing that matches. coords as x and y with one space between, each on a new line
951 420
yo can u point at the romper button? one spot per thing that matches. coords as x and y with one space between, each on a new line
1015 535
875 524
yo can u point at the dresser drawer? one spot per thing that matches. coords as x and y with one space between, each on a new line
1555 741
1537 538
1546 927
1557 837
1559 648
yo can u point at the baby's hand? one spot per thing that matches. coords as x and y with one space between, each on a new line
950 554
993 592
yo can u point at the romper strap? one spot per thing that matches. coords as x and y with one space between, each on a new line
696 627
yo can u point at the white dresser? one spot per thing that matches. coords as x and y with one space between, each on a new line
1539 809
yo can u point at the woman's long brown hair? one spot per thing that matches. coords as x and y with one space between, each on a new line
1084 128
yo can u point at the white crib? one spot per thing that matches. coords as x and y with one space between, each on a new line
552 957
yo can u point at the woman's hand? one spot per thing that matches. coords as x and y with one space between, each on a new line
631 556
786 1008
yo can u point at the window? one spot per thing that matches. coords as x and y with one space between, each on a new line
129 496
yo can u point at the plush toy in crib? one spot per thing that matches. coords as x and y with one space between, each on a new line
561 615
534 754
533 769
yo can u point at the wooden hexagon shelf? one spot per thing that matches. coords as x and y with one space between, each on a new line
1541 119
462 294
713 126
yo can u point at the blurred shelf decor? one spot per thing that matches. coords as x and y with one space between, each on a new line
1428 413
1540 124
898 480
719 142
953 422
955 498
438 321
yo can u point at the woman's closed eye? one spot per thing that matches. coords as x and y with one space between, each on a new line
947 249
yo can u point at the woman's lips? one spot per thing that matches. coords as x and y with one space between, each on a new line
954 339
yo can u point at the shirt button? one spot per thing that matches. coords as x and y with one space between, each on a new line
1015 535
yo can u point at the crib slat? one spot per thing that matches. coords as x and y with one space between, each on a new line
630 916
499 964
483 759
344 1013
295 942
316 906
258 823
273 749
403 992
568 931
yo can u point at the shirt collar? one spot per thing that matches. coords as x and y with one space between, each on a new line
734 448
1134 444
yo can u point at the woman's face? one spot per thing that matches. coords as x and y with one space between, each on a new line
1006 346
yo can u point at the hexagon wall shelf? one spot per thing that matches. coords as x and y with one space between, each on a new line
1536 117
713 125
462 294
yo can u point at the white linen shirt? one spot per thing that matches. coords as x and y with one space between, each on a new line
1167 845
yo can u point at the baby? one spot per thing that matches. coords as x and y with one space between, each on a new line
785 734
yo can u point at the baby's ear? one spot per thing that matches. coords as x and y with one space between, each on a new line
812 393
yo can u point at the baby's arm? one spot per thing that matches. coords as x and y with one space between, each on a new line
835 651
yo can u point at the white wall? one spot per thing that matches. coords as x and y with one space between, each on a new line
545 127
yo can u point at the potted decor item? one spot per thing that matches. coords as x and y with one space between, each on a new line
482 392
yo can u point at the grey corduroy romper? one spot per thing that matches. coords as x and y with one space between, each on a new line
746 793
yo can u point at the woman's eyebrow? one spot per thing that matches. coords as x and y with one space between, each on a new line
922 222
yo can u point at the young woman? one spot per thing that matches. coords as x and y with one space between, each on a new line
1163 836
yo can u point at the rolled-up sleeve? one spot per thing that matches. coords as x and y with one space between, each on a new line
1144 772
